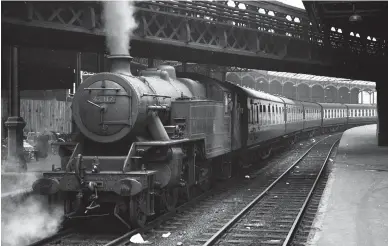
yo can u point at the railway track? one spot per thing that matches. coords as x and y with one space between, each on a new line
174 221
272 218
73 236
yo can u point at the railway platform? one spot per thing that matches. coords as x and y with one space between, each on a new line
354 207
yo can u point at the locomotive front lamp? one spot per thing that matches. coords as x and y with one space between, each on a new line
355 17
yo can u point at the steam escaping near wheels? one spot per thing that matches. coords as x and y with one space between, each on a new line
26 218
119 23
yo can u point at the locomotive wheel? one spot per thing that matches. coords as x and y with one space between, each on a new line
68 206
226 170
170 198
137 217
291 141
265 153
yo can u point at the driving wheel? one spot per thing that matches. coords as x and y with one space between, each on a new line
170 198
137 216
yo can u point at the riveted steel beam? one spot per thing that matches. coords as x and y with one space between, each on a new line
258 32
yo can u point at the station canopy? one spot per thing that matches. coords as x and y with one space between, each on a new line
310 77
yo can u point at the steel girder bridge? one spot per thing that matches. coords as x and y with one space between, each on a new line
257 35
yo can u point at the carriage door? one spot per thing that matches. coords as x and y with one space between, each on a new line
236 121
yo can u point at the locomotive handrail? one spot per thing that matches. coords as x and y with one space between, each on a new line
101 89
72 157
154 95
167 143
127 162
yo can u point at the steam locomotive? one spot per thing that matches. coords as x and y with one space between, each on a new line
146 141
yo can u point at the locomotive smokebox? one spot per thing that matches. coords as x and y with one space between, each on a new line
121 64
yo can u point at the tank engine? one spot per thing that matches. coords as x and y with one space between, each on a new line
133 150
147 140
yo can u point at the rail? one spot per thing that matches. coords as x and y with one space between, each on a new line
246 209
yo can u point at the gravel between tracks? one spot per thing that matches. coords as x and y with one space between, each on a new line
217 209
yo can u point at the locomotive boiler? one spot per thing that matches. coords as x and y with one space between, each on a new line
136 152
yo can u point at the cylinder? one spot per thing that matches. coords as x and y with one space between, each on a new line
156 128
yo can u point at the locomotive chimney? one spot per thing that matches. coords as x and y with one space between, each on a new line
121 64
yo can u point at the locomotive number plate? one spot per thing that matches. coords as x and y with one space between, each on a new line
104 99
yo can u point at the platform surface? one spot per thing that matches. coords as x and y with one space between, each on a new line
354 206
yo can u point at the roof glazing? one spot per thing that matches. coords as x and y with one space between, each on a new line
301 76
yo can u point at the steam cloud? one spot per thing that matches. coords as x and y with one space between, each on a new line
24 222
119 25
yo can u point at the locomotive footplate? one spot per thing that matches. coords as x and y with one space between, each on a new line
123 184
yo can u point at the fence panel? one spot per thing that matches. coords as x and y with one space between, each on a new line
39 115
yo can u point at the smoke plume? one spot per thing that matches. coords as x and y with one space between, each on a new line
24 221
119 25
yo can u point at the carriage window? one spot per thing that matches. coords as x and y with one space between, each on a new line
269 115
257 113
253 114
273 115
250 116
